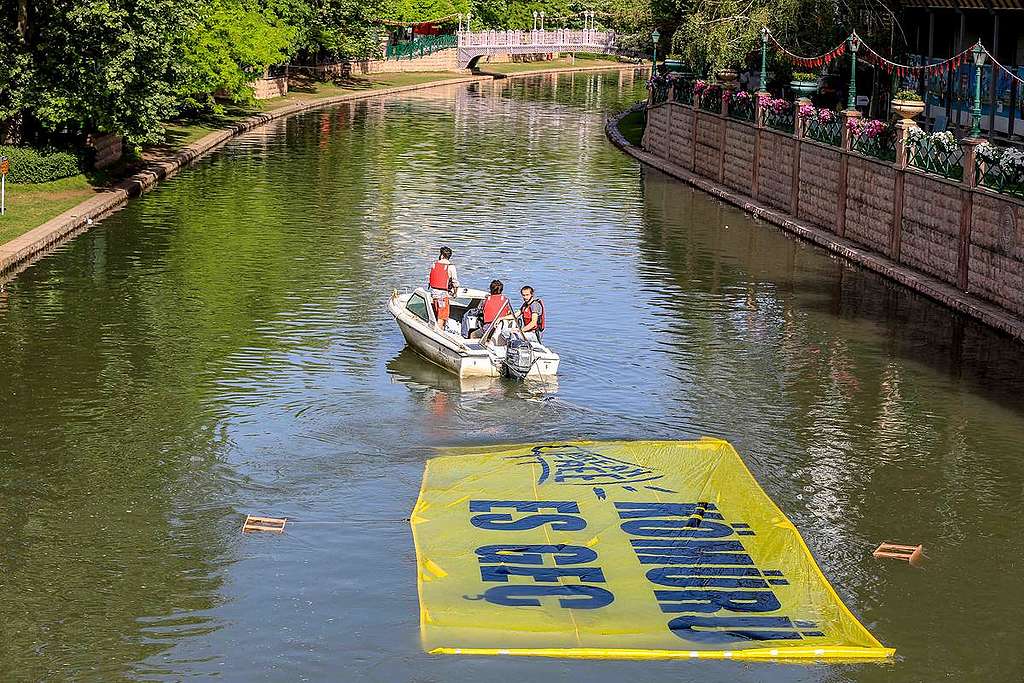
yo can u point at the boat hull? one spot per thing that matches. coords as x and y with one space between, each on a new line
464 358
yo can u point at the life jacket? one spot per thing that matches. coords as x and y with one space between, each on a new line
527 314
439 278
493 305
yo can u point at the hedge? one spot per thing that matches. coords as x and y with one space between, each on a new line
39 166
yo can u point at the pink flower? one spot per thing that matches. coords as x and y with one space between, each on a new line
826 116
807 111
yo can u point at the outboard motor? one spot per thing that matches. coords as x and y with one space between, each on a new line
472 320
518 358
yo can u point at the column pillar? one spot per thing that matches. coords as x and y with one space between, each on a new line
970 181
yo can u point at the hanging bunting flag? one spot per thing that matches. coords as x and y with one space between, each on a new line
867 54
811 62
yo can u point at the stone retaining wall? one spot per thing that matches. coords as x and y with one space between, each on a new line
966 237
270 87
442 60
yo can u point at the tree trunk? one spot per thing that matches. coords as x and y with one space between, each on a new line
23 21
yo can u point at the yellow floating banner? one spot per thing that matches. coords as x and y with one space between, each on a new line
631 550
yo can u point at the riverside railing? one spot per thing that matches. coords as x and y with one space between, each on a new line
867 181
421 47
993 168
1000 169
563 40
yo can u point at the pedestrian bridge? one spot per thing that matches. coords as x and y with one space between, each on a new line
472 45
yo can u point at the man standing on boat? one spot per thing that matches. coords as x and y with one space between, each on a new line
531 313
443 282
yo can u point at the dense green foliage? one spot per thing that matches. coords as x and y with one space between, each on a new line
73 67
33 166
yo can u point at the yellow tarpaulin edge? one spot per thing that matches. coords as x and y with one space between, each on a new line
857 653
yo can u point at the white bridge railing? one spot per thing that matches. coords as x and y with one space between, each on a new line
543 41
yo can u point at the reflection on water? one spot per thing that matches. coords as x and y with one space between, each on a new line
221 346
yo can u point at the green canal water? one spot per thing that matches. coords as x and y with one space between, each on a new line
221 347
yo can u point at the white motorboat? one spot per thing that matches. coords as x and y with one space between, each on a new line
495 353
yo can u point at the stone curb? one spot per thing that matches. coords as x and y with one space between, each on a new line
22 251
952 297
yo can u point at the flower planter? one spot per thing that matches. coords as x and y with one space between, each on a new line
907 110
727 78
804 88
674 66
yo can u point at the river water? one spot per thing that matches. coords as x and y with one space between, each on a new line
220 347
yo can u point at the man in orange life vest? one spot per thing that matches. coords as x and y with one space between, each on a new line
443 281
531 313
496 307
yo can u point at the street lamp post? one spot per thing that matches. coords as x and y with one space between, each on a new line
979 61
542 20
654 58
764 59
851 99
534 20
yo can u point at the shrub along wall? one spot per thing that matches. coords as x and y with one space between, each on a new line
34 166
940 222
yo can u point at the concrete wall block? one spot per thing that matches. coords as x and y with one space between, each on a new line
739 156
775 170
656 131
870 187
997 223
819 183
930 239
996 257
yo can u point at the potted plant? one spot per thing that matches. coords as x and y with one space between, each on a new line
674 64
804 83
907 104
727 77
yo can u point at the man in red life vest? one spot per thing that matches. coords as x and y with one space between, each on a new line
443 281
531 313
496 307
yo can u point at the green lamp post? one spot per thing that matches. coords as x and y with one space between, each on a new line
979 61
654 59
851 99
764 59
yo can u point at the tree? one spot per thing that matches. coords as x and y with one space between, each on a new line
348 28
95 65
226 45
719 34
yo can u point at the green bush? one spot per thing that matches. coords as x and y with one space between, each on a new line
39 166
910 95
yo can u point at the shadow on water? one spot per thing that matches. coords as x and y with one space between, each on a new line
734 251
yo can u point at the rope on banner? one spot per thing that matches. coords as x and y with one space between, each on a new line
811 62
891 67
870 56
1005 70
